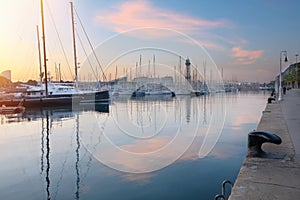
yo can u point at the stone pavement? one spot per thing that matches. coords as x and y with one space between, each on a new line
276 176
290 106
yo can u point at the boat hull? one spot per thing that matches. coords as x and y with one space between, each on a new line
98 97
59 100
40 102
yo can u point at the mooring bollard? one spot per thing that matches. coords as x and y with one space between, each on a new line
257 138
270 99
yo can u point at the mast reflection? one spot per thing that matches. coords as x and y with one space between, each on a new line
77 158
45 153
204 111
188 109
46 118
48 155
42 147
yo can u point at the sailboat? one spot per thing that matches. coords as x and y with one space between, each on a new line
53 94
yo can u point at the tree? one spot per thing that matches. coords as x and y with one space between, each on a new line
32 82
291 78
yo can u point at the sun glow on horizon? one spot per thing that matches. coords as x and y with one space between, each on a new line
18 37
240 45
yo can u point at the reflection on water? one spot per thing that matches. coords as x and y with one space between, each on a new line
53 154
149 134
45 154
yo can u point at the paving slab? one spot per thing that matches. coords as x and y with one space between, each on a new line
290 106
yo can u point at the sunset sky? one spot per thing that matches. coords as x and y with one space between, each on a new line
243 38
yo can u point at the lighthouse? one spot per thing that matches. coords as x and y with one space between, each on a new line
188 70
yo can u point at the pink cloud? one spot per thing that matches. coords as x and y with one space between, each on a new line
142 13
245 57
212 45
139 14
262 71
146 146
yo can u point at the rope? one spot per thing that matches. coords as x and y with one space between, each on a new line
60 42
104 77
81 44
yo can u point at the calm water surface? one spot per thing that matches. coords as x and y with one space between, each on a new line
57 154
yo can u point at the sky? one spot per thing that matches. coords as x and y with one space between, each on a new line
242 38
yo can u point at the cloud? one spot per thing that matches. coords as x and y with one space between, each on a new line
245 57
139 14
262 71
146 146
213 45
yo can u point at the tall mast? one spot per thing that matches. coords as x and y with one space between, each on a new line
179 84
116 74
140 65
59 72
136 74
149 69
204 68
154 65
44 48
74 45
40 58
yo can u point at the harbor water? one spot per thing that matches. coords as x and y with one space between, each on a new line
67 153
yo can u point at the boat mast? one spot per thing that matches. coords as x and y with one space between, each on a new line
59 72
140 69
74 45
44 48
154 66
180 73
40 59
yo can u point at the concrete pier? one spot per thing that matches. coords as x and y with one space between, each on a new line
276 176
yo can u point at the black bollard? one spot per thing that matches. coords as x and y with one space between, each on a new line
257 138
270 99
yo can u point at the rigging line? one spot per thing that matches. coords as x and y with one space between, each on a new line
89 163
63 168
29 72
105 79
60 42
81 44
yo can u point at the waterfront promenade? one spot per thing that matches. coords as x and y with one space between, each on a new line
291 112
276 176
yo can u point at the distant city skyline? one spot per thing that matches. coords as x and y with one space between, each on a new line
243 39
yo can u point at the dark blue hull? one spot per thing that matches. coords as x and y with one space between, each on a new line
59 100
